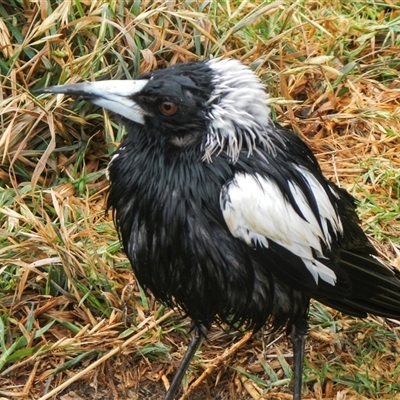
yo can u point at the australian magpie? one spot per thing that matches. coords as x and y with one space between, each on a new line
225 213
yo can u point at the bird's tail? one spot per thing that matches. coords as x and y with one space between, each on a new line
375 287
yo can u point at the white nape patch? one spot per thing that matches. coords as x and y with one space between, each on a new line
256 211
238 113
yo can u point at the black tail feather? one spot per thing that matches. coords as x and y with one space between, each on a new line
375 287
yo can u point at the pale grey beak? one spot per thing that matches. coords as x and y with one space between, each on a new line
116 96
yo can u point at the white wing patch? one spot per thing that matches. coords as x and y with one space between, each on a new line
256 211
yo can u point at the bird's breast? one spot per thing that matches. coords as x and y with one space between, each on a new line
169 218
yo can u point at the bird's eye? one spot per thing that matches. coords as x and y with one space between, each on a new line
168 108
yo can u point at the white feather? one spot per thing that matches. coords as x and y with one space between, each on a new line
256 211
326 209
238 110
114 156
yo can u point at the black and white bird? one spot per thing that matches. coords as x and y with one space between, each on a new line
226 214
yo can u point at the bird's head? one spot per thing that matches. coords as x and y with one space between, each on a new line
217 105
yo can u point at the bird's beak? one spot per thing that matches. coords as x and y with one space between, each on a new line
116 96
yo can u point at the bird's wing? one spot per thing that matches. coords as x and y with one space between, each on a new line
258 211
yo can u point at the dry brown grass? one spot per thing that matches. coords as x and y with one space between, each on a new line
72 315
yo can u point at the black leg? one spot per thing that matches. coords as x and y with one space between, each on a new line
193 345
298 336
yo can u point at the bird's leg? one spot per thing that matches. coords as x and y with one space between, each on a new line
199 330
298 336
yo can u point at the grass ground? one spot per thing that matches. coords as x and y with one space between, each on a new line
73 322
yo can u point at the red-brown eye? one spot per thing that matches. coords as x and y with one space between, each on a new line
168 108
